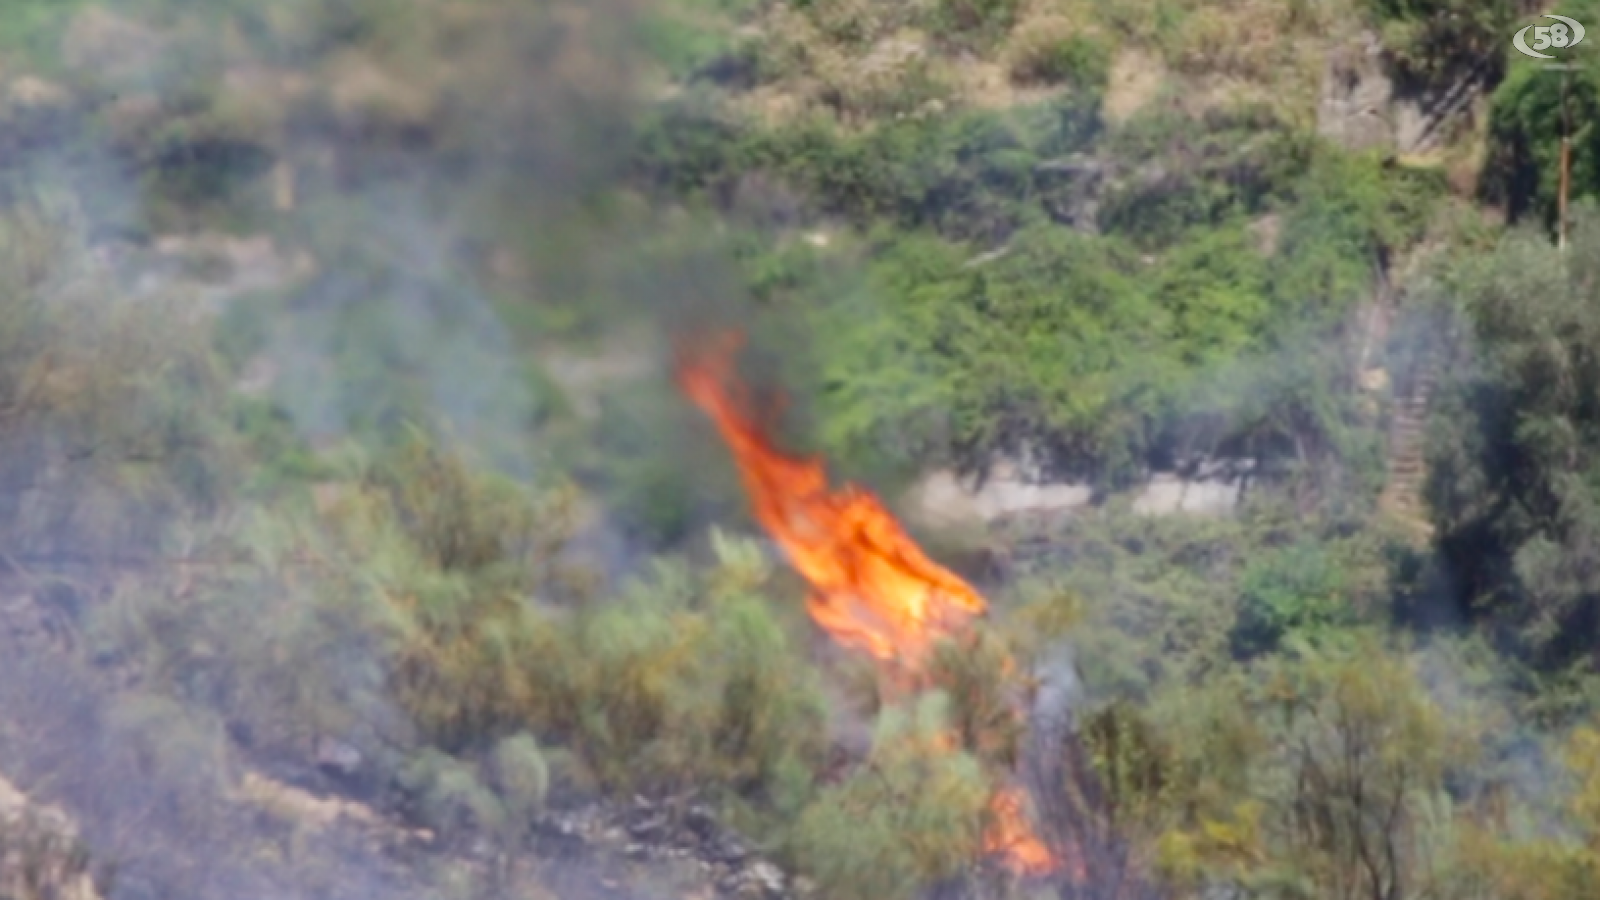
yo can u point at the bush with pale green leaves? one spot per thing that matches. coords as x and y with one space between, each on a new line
521 775
910 817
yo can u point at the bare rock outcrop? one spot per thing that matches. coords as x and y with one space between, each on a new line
40 854
1356 92
1363 106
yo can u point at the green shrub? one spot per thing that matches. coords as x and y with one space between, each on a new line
674 683
655 499
114 402
450 798
1149 583
959 390
1023 348
911 817
1136 768
462 519
421 580
687 146
969 175
1347 209
521 775
1190 172
1299 590
981 18
1078 60
271 437
308 668
685 47
1512 484
1311 767
1522 171
181 748
1215 285
973 675
1370 750
968 358
354 609
449 552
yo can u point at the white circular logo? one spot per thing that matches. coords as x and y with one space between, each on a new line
1565 33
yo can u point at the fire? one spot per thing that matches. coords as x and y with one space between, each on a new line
1011 836
873 588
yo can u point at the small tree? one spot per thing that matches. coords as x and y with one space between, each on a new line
1514 480
1364 750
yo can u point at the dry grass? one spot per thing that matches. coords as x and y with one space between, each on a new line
1136 79
1034 52
989 85
865 62
1242 42
1256 51
848 58
897 77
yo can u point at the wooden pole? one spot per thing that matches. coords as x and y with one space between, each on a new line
1561 234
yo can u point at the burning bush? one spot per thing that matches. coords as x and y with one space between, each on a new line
978 677
872 588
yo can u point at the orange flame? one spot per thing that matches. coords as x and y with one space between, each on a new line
1010 835
873 587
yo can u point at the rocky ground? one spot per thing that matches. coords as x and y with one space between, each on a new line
606 849
677 841
40 853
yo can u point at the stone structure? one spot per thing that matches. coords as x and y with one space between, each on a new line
942 498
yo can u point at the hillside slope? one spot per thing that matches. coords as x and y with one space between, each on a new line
345 484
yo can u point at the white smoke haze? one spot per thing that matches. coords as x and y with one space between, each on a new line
406 301
388 315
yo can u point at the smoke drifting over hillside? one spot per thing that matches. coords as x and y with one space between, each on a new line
365 198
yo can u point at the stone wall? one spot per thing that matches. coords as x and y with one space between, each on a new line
942 498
